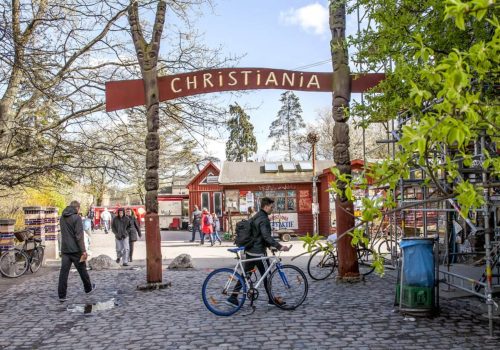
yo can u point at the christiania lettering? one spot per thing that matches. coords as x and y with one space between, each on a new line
245 78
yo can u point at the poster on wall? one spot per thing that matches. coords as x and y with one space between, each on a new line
284 221
243 202
250 200
246 200
305 201
170 208
232 199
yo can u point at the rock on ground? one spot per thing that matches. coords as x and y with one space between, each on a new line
183 261
102 262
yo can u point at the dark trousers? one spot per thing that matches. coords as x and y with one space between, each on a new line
131 250
81 267
248 266
197 228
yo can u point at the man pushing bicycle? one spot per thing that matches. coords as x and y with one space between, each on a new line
262 239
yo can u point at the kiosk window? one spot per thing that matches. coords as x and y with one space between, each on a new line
205 200
284 201
218 203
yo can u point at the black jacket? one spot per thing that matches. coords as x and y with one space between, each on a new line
261 230
120 227
134 229
71 232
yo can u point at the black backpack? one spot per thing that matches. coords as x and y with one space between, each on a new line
244 234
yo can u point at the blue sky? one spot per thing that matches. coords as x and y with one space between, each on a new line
285 34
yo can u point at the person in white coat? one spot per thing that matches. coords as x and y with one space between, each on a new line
106 219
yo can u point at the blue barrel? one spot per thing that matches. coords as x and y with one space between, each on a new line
418 275
418 262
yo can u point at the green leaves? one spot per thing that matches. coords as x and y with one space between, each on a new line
359 238
311 243
441 59
468 197
458 10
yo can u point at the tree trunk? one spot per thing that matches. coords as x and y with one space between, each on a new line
348 264
147 54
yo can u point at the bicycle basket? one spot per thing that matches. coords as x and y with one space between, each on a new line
24 235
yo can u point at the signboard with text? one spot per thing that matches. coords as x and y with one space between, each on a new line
284 221
130 93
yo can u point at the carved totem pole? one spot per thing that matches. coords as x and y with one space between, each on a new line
147 54
348 264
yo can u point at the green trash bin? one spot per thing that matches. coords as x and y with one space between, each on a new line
415 292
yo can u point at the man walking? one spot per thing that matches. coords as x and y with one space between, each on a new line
196 223
121 228
72 250
106 219
262 239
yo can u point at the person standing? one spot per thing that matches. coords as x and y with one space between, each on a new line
121 227
196 223
206 226
87 228
261 228
73 250
91 216
216 227
106 220
134 231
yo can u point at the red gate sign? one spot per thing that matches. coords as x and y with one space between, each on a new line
130 93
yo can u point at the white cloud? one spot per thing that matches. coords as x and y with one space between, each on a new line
311 18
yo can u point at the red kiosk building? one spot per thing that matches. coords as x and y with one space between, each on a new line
205 191
240 185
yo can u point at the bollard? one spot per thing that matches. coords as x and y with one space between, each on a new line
6 234
34 219
51 233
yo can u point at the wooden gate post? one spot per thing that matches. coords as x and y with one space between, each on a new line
348 264
147 54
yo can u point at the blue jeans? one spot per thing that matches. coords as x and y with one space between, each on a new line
122 249
216 237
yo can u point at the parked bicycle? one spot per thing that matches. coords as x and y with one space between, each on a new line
16 261
386 244
323 262
287 285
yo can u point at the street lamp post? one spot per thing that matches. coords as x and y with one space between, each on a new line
313 139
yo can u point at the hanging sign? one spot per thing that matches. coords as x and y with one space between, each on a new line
130 93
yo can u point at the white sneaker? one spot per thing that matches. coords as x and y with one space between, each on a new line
92 290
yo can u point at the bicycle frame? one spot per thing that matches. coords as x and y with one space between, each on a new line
238 268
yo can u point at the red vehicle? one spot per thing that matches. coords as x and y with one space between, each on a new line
139 211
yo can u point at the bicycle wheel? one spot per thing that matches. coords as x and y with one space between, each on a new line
13 263
389 249
36 259
288 285
218 288
321 265
365 260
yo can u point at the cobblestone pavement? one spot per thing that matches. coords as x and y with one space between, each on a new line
334 316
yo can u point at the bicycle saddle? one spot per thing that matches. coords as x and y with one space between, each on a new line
236 250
